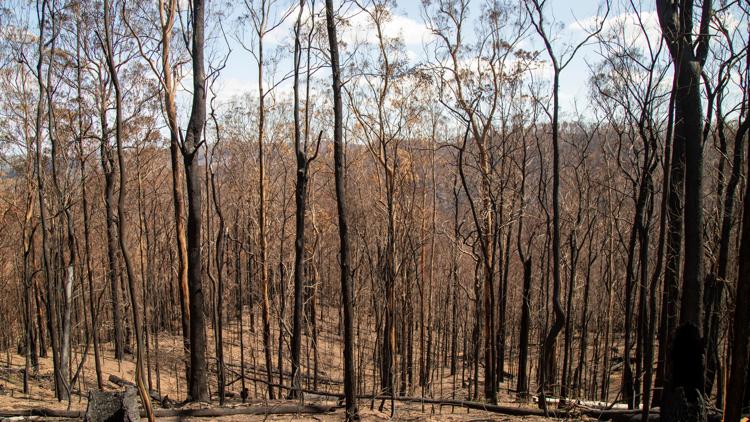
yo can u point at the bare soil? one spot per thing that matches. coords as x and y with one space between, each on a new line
170 380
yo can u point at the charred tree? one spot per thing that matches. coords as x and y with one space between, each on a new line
347 293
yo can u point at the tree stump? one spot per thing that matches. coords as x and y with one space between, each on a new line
683 399
118 406
682 408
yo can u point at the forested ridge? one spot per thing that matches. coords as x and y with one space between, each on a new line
378 215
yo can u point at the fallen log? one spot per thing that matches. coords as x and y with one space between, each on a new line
602 415
584 404
280 409
42 412
616 415
164 401
508 410
494 408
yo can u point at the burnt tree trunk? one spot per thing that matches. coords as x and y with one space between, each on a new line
347 291
684 388
198 385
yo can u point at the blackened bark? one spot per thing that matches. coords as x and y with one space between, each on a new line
523 348
198 385
687 350
548 349
689 122
669 207
567 342
300 197
347 293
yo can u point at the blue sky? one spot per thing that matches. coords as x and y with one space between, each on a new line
240 74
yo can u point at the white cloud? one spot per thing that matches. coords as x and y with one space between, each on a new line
361 29
231 87
626 27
